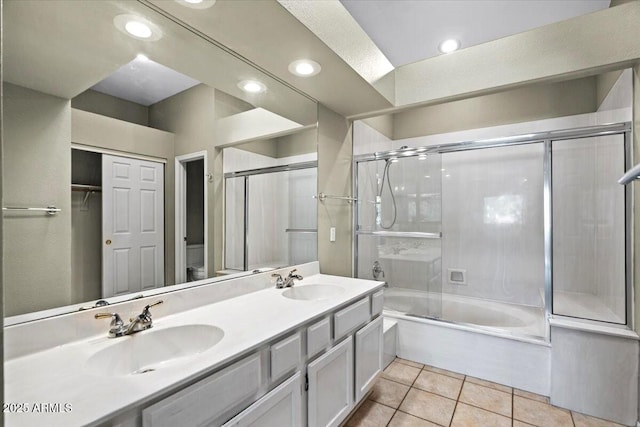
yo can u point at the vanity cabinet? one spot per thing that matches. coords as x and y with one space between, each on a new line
330 394
282 407
340 353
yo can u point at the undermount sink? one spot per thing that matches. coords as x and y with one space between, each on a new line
153 349
312 292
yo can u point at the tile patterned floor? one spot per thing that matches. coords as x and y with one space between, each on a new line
413 395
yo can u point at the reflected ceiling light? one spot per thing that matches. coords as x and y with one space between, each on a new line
304 68
142 57
197 4
137 27
252 86
449 46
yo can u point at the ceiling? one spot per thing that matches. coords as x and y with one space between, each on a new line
144 82
407 31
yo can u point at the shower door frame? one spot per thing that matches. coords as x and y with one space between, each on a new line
246 174
546 139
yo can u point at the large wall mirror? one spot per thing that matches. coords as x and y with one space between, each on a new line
152 155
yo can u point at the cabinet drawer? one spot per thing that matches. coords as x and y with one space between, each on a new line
318 337
349 318
377 301
205 401
285 356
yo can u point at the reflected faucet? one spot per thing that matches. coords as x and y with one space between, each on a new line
142 322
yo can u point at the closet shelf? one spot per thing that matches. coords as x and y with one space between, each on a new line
82 187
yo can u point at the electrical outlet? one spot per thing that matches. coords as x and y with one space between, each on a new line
332 234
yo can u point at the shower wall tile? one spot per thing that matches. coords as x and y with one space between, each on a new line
492 223
588 221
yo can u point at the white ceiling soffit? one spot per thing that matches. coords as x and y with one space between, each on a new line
335 26
410 30
144 82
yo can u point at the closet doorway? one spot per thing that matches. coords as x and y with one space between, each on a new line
117 224
191 214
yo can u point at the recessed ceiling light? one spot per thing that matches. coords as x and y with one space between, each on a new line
304 68
137 27
142 57
449 46
197 4
252 86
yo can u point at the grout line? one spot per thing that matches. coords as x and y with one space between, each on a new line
453 414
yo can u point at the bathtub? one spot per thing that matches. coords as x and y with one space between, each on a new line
490 315
499 342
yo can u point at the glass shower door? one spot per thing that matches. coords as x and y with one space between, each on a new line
398 231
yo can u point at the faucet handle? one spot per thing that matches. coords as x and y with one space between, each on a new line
292 271
115 318
116 327
279 281
145 310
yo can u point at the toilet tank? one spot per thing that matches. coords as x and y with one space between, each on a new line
195 255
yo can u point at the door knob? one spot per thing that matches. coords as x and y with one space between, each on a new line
108 242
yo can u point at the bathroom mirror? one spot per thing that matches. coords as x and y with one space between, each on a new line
117 139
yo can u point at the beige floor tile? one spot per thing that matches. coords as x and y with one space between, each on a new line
486 398
444 372
517 423
400 419
438 384
540 414
489 384
371 414
401 373
581 420
388 392
428 406
470 416
409 362
532 396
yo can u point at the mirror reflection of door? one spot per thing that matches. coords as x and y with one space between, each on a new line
118 223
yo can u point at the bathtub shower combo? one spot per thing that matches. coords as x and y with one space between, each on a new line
496 236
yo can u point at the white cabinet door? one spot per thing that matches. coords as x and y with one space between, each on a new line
281 407
368 358
330 397
132 225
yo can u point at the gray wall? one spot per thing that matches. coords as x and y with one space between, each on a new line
535 102
190 116
37 172
335 153
110 106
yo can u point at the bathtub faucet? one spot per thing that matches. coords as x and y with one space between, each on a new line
377 270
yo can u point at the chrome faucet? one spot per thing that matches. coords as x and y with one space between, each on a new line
141 322
288 281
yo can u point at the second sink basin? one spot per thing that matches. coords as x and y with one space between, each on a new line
153 349
312 292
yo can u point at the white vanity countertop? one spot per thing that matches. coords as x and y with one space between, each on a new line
59 375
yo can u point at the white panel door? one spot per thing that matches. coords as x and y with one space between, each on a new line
132 225
331 386
368 357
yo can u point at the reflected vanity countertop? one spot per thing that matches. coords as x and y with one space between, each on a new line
60 375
